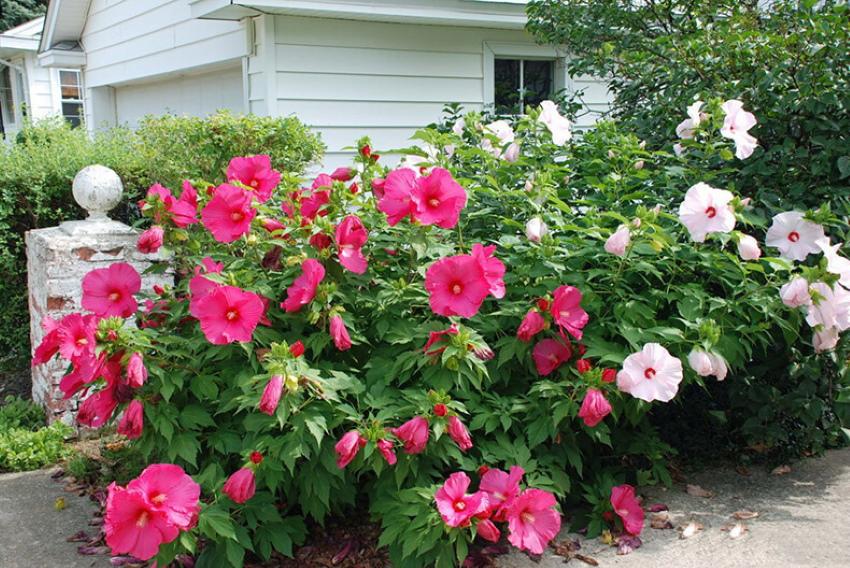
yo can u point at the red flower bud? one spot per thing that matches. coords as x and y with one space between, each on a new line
483 469
297 349
609 375
583 365
440 409
353 188
256 457
366 151
582 349
542 304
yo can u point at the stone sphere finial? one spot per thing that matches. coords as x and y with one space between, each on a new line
98 190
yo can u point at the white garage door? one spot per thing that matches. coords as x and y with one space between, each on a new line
195 95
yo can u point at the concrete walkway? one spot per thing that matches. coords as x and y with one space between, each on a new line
803 522
33 531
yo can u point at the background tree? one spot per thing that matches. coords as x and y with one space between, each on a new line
16 12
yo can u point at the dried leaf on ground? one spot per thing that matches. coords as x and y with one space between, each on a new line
660 520
657 508
690 529
626 544
569 549
697 491
745 515
781 470
743 470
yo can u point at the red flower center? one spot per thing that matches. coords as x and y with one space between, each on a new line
456 288
649 373
793 236
114 296
237 216
231 314
142 520
459 505
711 212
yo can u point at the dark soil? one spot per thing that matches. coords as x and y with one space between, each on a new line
17 382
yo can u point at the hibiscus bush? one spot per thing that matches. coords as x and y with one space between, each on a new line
462 347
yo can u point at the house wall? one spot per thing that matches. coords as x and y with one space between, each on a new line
352 78
43 85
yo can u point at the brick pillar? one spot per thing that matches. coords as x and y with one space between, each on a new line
57 260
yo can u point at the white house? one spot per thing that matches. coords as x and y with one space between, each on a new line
345 67
27 88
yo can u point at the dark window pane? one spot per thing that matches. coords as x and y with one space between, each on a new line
70 92
506 89
537 81
69 78
73 112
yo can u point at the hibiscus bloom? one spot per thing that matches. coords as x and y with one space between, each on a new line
200 286
137 374
618 242
835 263
501 489
109 291
536 229
256 173
748 247
386 448
558 125
532 324
438 199
303 289
438 336
184 211
532 520
99 407
686 128
651 374
229 314
567 312
487 530
313 205
736 126
348 447
504 133
705 210
228 214
794 236
271 395
796 293
456 506
493 268
84 370
241 485
350 236
627 507
707 364
413 434
172 491
457 286
75 336
133 421
339 333
396 201
830 307
151 240
549 354
825 339
594 408
458 432
134 526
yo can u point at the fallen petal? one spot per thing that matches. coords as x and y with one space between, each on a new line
737 530
781 470
698 491
745 515
690 529
626 544
81 536
657 508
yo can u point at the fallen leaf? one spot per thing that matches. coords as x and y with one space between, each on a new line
626 544
743 470
81 536
698 491
781 470
342 554
606 537
660 520
745 515
59 504
690 529
586 559
657 508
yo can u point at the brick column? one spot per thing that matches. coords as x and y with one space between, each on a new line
57 260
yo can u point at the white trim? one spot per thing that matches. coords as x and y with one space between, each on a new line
62 58
502 50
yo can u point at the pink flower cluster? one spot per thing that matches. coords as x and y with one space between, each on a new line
434 199
563 310
152 510
530 514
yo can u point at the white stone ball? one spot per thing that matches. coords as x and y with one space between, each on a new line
98 190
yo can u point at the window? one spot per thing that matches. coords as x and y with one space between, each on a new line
7 100
71 92
521 82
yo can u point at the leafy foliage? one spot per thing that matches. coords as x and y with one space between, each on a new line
16 12
25 443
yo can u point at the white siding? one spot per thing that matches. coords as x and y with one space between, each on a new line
43 88
127 40
195 95
350 78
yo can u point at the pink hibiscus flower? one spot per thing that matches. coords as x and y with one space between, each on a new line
313 205
134 526
437 337
628 508
549 354
454 504
200 286
339 333
386 448
413 434
458 432
184 211
99 407
172 491
240 486
84 371
133 421
256 173
736 127
651 374
567 312
705 210
151 240
228 214
594 408
493 268
75 335
271 395
396 200
350 236
532 520
348 447
501 488
303 289
109 291
532 324
229 314
438 199
457 286
794 236
137 374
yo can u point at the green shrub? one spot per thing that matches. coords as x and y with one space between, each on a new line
36 174
16 412
25 450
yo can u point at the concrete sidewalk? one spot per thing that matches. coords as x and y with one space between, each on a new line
803 522
33 531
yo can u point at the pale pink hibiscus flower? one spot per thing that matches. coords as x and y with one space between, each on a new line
651 374
532 520
558 125
830 306
748 247
736 126
796 293
687 127
619 241
794 236
456 506
228 214
705 210
536 229
835 263
256 173
228 314
109 291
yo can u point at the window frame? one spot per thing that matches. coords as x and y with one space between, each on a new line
522 52
81 100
